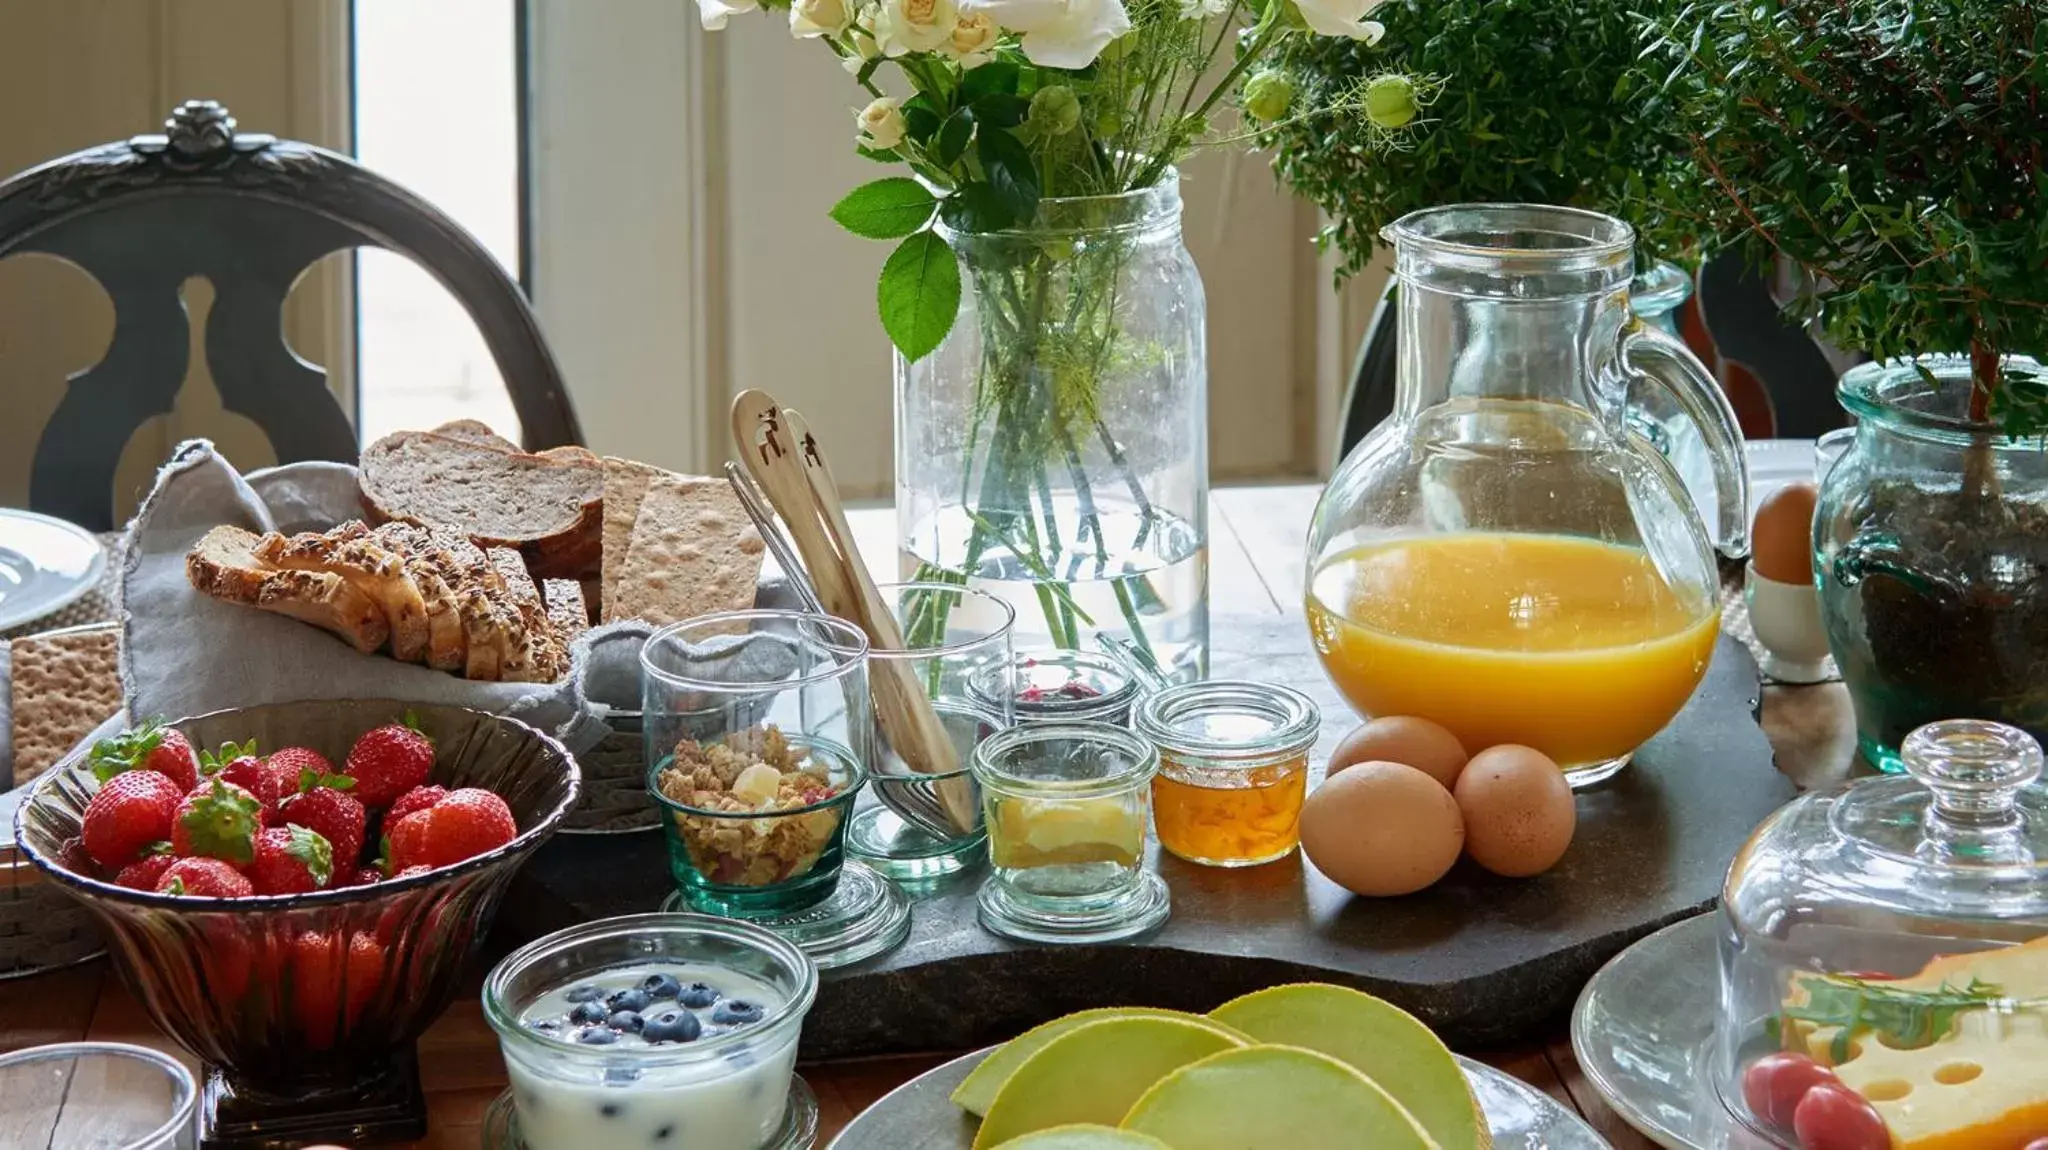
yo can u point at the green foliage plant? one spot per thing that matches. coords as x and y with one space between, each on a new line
1893 150
1531 101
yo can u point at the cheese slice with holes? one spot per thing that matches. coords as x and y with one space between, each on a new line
1984 1086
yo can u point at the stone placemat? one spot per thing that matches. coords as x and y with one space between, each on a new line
1486 961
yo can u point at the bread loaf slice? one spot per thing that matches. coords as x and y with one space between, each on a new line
427 563
567 607
351 552
551 507
693 551
224 565
476 431
537 653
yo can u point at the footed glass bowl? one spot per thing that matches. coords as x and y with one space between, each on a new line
305 1007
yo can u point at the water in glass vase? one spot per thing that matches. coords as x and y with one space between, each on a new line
1144 580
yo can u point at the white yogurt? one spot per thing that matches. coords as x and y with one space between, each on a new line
630 1092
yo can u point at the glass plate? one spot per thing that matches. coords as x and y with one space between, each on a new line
920 1115
1643 1032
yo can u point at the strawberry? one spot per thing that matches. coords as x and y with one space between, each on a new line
467 823
133 810
338 817
243 767
72 856
203 878
405 843
331 986
361 876
217 820
143 873
149 747
291 860
416 799
389 761
292 762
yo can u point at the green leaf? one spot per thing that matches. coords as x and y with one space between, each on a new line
1001 111
975 208
1011 174
953 137
996 76
885 209
919 294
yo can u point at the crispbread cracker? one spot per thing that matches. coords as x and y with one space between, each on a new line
625 484
64 685
693 551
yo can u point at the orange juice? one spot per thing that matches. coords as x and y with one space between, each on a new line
1573 646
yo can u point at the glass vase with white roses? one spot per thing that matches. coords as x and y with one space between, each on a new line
1051 381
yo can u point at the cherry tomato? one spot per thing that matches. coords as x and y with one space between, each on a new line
1774 1084
1834 1117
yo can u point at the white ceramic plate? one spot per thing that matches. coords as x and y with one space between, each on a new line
920 1115
46 565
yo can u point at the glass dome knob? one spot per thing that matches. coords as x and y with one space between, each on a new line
1975 769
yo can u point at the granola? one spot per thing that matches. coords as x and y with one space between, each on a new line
753 773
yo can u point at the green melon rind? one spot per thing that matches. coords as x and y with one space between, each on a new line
1274 1096
1085 1136
1379 1040
1094 1072
978 1090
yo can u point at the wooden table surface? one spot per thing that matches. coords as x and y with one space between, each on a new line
1255 567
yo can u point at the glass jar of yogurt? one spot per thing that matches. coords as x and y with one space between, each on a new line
655 1030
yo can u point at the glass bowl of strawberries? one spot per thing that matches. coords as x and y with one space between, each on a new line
293 891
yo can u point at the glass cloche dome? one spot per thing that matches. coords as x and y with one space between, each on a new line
1884 956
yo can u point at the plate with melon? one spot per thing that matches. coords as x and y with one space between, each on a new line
1308 1066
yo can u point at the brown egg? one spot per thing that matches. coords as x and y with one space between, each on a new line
1405 739
1382 829
1781 539
1519 813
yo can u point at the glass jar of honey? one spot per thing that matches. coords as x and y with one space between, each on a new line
1233 769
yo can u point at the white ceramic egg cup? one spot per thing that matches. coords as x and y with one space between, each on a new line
1786 619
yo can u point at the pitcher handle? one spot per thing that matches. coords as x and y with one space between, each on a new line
1650 354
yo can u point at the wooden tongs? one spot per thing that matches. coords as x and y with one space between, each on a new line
777 448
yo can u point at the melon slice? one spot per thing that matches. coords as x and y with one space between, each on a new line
1085 1137
978 1090
1280 1096
1380 1041
1094 1072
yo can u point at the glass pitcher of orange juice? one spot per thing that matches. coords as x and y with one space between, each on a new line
1501 555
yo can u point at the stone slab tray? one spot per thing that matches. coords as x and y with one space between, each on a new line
1486 961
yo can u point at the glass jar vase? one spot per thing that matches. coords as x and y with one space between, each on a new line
1054 450
1931 549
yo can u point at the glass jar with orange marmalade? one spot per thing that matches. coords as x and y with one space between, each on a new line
1233 769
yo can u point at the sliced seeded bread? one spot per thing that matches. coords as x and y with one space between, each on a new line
567 607
429 568
537 650
693 551
224 565
550 506
351 552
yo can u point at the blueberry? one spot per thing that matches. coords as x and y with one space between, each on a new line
584 993
588 1013
611 1110
662 1134
661 986
697 996
545 1026
736 1012
632 998
626 1020
597 1036
672 1026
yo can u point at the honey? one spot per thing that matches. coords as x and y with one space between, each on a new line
1233 818
1233 769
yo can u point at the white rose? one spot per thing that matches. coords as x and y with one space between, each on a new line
860 36
1202 9
714 13
1343 18
881 125
1060 33
810 19
905 26
974 39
